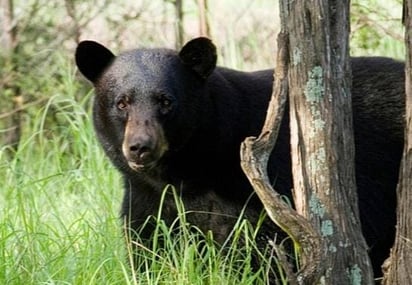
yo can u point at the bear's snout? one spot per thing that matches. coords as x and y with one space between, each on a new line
139 150
143 145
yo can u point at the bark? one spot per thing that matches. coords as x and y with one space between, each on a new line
71 12
397 269
254 159
9 35
204 28
9 43
179 23
322 136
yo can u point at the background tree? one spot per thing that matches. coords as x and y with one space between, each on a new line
397 268
204 27
10 88
179 23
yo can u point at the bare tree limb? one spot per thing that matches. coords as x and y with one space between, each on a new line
21 107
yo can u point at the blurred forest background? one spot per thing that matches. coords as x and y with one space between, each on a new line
59 195
39 37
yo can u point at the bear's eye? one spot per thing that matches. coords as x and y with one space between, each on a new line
166 104
123 103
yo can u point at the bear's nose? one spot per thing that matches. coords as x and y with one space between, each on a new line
141 151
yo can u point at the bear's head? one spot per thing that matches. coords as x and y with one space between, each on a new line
148 101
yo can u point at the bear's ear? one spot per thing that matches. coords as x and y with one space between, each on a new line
200 55
92 58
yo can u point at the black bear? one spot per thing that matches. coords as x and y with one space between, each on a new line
167 117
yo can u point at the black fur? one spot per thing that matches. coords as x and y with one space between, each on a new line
165 117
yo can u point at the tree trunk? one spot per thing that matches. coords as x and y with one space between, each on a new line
322 145
71 12
204 28
322 136
179 23
397 269
9 46
254 160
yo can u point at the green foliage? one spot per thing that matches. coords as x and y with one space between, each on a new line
377 28
53 229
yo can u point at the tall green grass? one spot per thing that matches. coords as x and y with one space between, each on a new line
59 202
182 254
